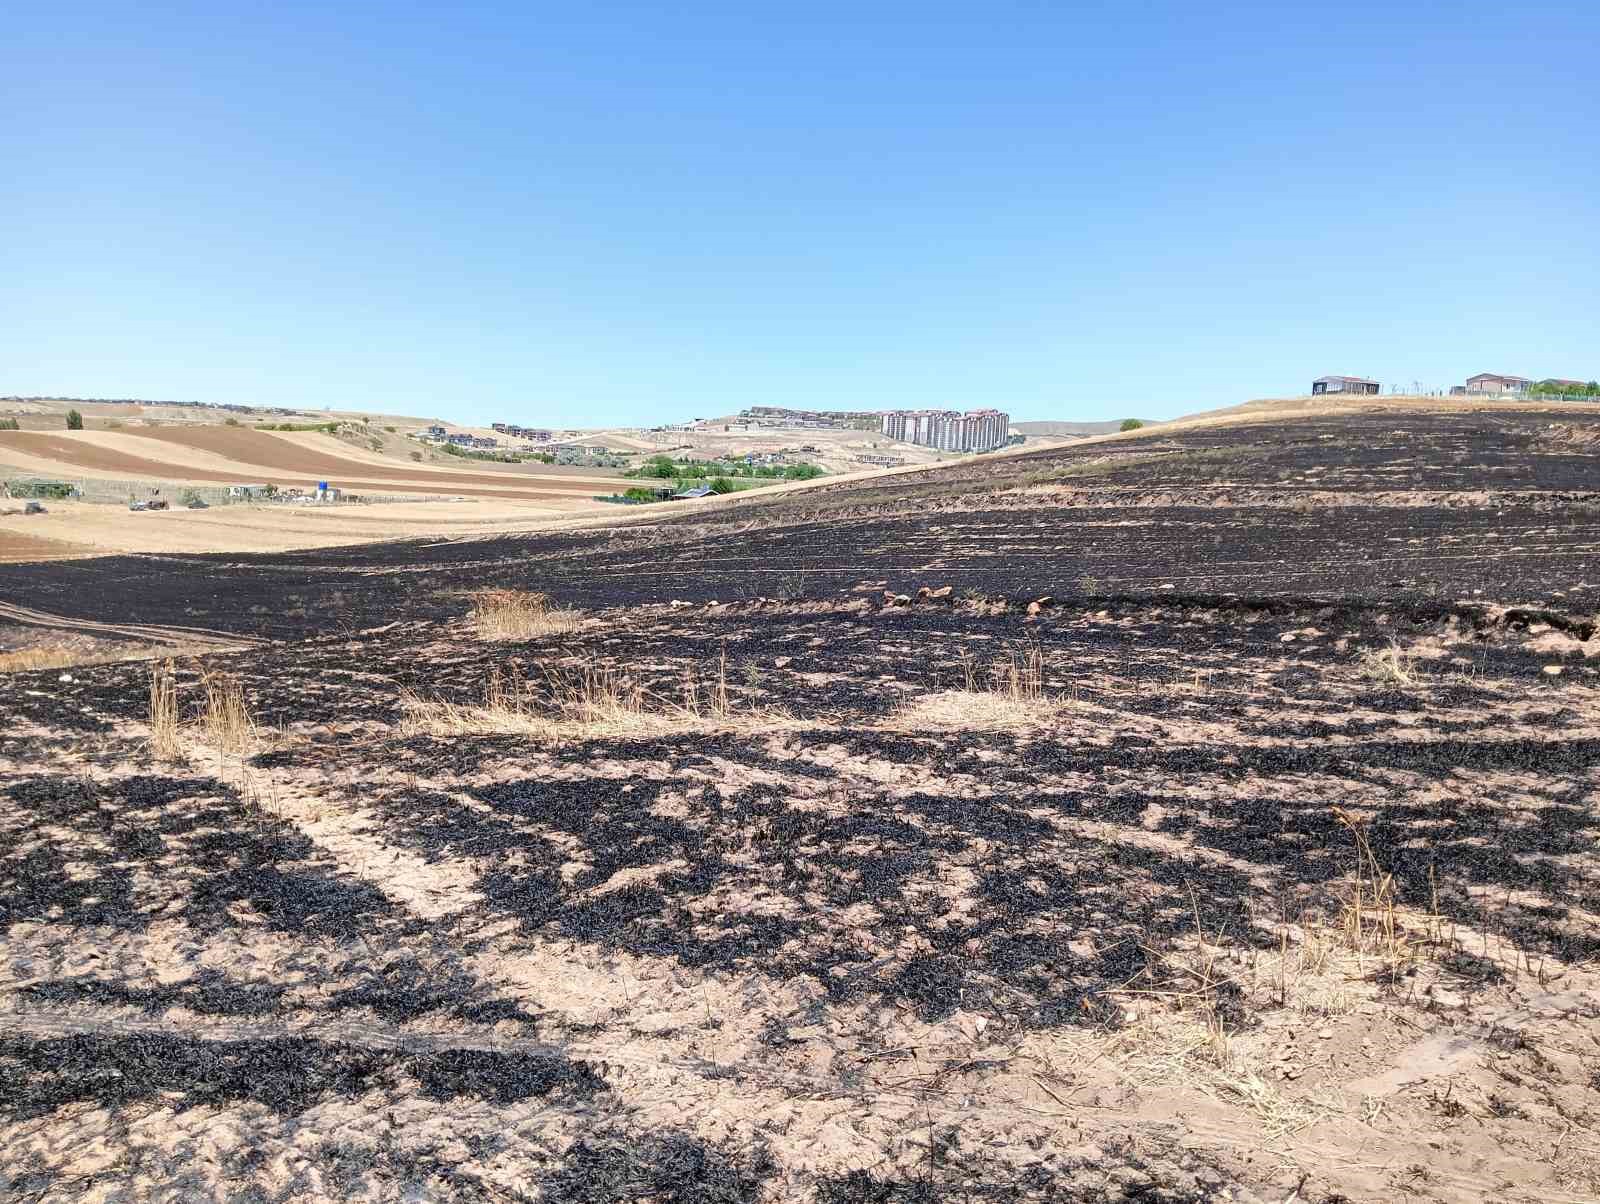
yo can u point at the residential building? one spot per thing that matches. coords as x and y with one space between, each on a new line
1343 384
1496 385
949 430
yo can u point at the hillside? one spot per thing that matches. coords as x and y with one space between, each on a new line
1201 814
1067 428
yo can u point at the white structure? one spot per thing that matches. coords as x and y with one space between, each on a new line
949 430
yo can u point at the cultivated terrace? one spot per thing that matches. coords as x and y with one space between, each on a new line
1208 815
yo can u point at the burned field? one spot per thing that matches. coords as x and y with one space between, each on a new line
1072 827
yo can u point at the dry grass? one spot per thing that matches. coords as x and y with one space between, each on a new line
588 700
1010 696
226 716
510 614
164 742
1393 666
61 656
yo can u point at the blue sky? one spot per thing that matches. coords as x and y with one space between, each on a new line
597 214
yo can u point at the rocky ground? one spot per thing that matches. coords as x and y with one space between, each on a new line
940 852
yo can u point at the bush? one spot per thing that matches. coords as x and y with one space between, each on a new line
417 456
230 422
722 485
327 428
9 424
74 420
390 429
1131 424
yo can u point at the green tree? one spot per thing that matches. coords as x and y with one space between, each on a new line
721 485
1130 424
74 420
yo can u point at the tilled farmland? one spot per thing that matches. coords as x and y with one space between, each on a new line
1203 817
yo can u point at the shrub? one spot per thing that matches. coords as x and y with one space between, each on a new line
721 485
1131 424
9 424
417 456
74 420
230 422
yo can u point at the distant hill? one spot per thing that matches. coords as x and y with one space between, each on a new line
1071 428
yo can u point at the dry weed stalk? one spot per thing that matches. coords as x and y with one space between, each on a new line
164 743
511 614
226 717
1191 984
717 704
588 701
1368 920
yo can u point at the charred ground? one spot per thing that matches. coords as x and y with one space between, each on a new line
816 945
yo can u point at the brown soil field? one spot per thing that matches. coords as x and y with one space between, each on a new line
1207 818
261 456
284 463
24 546
265 450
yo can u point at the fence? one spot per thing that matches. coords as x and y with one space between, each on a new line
1418 389
113 490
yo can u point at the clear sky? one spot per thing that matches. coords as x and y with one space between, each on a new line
616 213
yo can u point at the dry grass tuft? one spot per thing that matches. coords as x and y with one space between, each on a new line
1393 666
226 717
1011 696
164 743
511 614
586 701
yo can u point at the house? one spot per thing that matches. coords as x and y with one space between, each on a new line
436 432
697 491
1499 386
1343 384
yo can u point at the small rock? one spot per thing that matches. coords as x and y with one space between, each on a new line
781 661
1552 670
1325 1034
1448 999
65 677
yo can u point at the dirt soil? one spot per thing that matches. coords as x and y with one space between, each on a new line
265 458
1282 885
